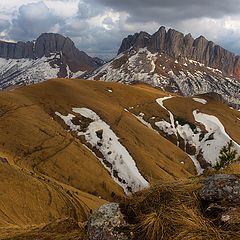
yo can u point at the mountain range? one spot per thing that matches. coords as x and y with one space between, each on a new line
176 45
51 55
169 60
175 63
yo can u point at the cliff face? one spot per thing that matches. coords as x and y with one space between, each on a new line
176 45
50 56
45 45
16 50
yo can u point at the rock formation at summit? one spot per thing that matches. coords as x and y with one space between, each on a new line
176 45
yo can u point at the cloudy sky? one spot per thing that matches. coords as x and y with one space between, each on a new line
98 26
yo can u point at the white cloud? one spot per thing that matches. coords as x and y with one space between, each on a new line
62 8
32 20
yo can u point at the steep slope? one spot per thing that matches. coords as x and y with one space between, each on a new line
175 63
51 55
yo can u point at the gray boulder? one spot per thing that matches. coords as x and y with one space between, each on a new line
221 187
108 223
220 196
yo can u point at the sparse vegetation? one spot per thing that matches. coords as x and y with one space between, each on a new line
172 211
228 155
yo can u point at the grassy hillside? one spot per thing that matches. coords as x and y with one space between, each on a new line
49 170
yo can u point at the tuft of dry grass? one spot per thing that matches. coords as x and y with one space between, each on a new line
172 211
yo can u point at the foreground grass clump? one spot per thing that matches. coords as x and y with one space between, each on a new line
172 211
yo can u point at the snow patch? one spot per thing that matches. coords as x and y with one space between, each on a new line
219 138
207 144
197 164
128 176
170 127
200 100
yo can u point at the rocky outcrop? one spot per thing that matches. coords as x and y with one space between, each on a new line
220 197
46 45
221 187
138 40
176 45
108 223
50 56
157 41
188 43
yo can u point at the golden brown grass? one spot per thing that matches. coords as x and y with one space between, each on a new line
172 211
66 229
30 201
233 168
35 140
33 137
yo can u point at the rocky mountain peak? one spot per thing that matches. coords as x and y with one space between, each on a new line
46 45
162 29
50 55
175 44
138 40
157 40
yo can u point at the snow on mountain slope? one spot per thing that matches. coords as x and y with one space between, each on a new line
51 55
166 125
114 156
200 100
25 71
201 138
16 72
215 139
183 76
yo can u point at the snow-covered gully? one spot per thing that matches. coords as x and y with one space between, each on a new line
115 157
183 131
207 143
217 135
164 123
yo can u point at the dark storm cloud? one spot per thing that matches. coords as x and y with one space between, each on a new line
172 10
95 40
99 43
